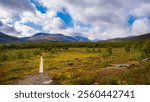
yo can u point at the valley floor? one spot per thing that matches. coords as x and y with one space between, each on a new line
76 66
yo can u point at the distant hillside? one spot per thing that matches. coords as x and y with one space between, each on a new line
46 37
42 37
8 39
81 39
134 38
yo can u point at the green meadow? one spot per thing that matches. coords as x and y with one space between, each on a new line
78 63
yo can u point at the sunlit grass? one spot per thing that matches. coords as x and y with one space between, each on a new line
72 66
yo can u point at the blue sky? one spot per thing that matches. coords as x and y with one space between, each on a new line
33 25
38 6
131 20
66 17
98 19
62 14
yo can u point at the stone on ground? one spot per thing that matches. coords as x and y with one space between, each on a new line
37 79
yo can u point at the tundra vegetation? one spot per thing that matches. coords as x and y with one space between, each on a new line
78 63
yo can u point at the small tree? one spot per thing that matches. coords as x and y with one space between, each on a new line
137 46
109 50
146 47
145 50
3 57
87 49
127 48
93 49
99 50
105 56
19 55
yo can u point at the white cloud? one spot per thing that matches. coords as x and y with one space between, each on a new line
142 9
23 29
11 11
7 26
54 24
107 18
141 26
11 8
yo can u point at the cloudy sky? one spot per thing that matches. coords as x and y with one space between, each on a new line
96 19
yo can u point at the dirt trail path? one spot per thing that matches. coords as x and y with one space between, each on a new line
37 79
41 65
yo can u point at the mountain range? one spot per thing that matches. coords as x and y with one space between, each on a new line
8 39
131 38
41 38
47 37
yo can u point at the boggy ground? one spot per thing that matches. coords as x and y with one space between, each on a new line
77 66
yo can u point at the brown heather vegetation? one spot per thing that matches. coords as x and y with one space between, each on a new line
78 63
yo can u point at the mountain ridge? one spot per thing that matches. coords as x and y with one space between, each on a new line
7 38
131 38
47 37
41 37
